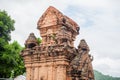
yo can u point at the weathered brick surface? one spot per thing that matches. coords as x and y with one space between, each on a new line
56 58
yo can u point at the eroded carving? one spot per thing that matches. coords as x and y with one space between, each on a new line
58 33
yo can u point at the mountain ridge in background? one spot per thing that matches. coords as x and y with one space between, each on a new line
100 76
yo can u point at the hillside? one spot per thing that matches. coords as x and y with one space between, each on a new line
100 76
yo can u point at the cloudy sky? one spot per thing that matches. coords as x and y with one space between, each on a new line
99 22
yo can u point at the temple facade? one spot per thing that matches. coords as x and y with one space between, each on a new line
56 58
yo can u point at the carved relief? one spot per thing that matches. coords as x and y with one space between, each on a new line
56 58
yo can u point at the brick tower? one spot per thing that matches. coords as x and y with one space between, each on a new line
56 58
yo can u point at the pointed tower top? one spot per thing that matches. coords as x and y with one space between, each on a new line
83 45
31 41
51 8
31 38
54 15
52 21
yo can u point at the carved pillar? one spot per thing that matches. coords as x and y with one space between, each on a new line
61 72
54 72
36 73
32 73
39 77
28 74
50 73
43 73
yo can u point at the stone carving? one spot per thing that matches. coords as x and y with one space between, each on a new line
81 64
31 41
56 58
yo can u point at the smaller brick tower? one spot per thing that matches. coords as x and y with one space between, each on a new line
56 58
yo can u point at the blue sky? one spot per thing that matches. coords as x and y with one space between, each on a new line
99 22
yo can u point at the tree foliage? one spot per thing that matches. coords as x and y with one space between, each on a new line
11 60
39 40
6 26
11 63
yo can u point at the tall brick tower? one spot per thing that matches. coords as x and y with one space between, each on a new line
56 58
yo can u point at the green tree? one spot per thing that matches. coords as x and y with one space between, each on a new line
11 63
6 26
39 40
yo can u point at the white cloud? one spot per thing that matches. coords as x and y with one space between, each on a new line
107 66
102 35
98 20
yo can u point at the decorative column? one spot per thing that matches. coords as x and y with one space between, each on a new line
61 72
